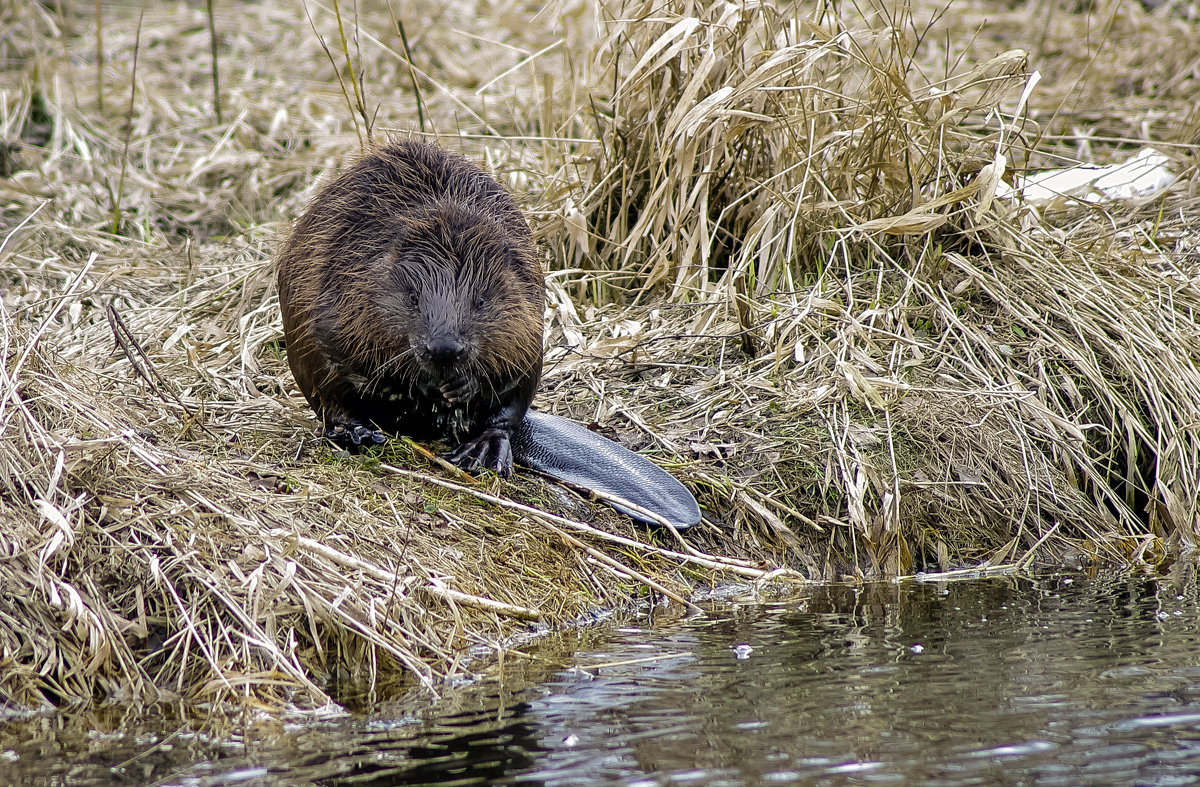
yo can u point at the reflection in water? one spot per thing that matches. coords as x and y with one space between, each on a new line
1061 680
467 748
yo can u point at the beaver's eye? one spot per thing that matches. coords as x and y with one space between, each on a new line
481 301
410 296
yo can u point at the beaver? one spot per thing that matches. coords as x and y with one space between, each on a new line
412 300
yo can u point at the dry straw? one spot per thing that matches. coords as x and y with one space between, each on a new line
777 266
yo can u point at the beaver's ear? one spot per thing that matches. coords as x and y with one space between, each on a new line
524 264
400 231
384 273
383 264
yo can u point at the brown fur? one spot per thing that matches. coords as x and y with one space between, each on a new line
412 302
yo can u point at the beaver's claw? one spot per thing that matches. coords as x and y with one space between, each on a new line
460 391
491 450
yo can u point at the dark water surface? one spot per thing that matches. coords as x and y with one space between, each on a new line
1066 679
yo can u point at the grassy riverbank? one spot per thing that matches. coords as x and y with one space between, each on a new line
777 266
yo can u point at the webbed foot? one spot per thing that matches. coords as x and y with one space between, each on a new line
491 450
354 435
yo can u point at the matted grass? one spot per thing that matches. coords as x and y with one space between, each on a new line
776 266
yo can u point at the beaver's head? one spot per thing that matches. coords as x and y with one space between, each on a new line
457 296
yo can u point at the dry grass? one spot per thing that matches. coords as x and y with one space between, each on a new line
777 268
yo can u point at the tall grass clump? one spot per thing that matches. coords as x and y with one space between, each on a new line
820 189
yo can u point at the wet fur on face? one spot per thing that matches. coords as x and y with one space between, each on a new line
453 277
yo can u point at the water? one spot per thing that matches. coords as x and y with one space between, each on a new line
1064 679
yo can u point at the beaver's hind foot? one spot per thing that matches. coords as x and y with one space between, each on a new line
353 434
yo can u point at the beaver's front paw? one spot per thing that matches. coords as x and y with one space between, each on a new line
460 391
491 450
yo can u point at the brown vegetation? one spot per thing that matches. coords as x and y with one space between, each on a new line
776 265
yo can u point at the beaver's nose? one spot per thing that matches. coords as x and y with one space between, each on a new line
445 350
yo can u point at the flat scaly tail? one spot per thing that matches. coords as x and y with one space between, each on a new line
575 455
